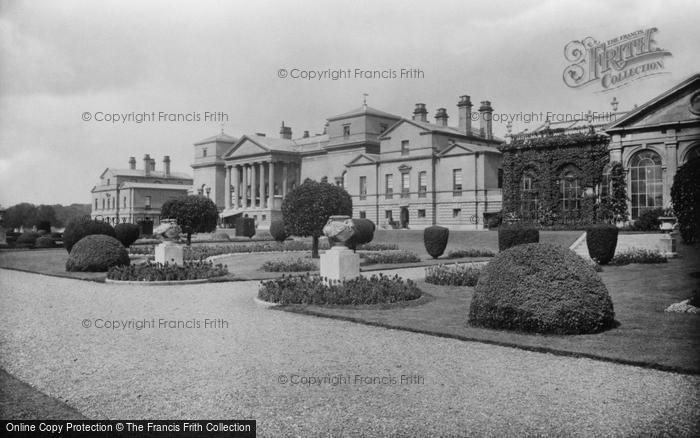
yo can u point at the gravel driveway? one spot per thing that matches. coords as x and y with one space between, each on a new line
450 387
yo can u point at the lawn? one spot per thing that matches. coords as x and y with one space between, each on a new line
646 336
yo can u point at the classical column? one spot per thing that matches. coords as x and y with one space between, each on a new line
262 184
284 179
227 189
271 185
253 198
236 185
244 188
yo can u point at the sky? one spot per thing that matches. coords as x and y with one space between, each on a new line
217 64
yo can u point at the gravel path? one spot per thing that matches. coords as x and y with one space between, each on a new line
459 388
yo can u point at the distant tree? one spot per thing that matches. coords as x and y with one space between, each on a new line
306 209
193 213
20 215
67 213
45 213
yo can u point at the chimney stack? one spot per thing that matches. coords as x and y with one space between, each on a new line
420 114
166 166
441 117
464 106
147 165
486 127
306 134
153 164
132 163
285 132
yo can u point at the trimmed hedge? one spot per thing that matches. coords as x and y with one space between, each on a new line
470 252
127 233
278 232
453 275
510 235
311 289
289 265
389 257
96 253
364 232
27 239
541 288
435 240
637 255
79 228
45 242
167 272
220 235
601 241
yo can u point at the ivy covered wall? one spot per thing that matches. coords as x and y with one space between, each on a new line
545 159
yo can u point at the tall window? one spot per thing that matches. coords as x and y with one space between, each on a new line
363 187
457 182
405 184
422 184
570 191
646 182
346 130
95 204
148 202
404 147
389 186
528 196
103 203
124 203
500 178
204 152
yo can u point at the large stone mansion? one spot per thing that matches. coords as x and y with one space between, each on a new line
400 172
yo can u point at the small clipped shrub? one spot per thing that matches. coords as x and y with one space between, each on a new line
220 235
453 275
27 239
278 232
96 253
601 241
435 240
311 289
389 257
45 242
470 252
638 255
79 228
245 226
541 288
510 235
364 233
127 233
648 220
289 265
167 272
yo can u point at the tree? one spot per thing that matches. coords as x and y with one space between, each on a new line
46 213
306 209
685 195
20 215
614 206
193 213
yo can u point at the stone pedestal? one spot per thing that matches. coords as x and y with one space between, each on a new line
339 263
169 252
668 245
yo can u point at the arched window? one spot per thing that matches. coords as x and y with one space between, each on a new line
646 182
570 190
693 152
528 196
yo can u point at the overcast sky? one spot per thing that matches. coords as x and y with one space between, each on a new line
59 59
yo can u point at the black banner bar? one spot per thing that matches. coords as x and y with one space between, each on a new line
128 428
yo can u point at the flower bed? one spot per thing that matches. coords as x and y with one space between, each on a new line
289 265
470 252
377 247
453 275
311 289
389 257
636 255
166 272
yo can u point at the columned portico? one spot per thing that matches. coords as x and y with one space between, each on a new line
271 184
227 189
237 185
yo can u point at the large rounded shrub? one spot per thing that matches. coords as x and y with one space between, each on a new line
601 241
510 235
220 235
648 220
364 232
27 239
127 233
685 195
277 231
97 253
79 228
45 242
435 240
541 288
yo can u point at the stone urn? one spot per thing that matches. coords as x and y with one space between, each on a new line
667 223
339 229
339 262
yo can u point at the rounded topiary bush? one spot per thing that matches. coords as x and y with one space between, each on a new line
127 233
79 228
541 288
364 232
97 253
277 231
601 241
510 235
220 235
27 239
45 242
435 240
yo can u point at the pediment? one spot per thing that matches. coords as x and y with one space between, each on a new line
246 146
